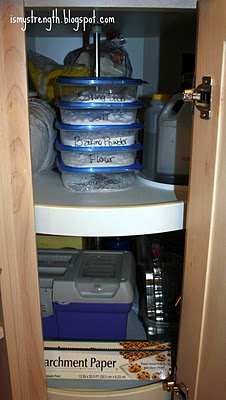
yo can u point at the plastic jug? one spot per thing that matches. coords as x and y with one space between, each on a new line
157 103
174 137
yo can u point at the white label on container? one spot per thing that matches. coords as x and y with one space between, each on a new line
105 141
101 97
96 159
100 117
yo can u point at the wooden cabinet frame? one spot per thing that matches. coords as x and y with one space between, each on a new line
203 322
19 276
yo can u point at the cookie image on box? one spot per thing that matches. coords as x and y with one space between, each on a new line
134 368
160 357
137 345
162 346
149 367
136 355
155 376
143 376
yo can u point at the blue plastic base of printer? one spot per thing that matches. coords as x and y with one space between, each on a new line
85 321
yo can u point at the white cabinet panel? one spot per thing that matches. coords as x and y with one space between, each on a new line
145 208
153 392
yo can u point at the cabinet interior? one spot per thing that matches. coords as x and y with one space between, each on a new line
159 44
157 41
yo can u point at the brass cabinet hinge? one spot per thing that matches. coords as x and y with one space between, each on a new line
201 96
180 390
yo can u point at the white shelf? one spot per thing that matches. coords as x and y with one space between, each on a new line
145 208
149 392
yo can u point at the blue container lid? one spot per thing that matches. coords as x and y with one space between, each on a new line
62 147
63 168
85 105
69 80
69 127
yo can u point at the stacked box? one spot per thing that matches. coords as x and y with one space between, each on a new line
98 117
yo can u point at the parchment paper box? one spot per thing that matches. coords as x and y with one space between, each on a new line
140 361
86 295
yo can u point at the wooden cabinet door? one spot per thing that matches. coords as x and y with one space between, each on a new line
19 275
201 357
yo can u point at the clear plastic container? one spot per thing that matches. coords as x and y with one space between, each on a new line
98 89
86 157
98 113
160 331
152 113
108 179
96 136
174 140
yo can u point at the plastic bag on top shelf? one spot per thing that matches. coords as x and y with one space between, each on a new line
42 135
114 59
43 71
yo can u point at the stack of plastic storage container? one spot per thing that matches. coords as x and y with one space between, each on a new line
98 133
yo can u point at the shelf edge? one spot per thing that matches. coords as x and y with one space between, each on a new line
110 221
